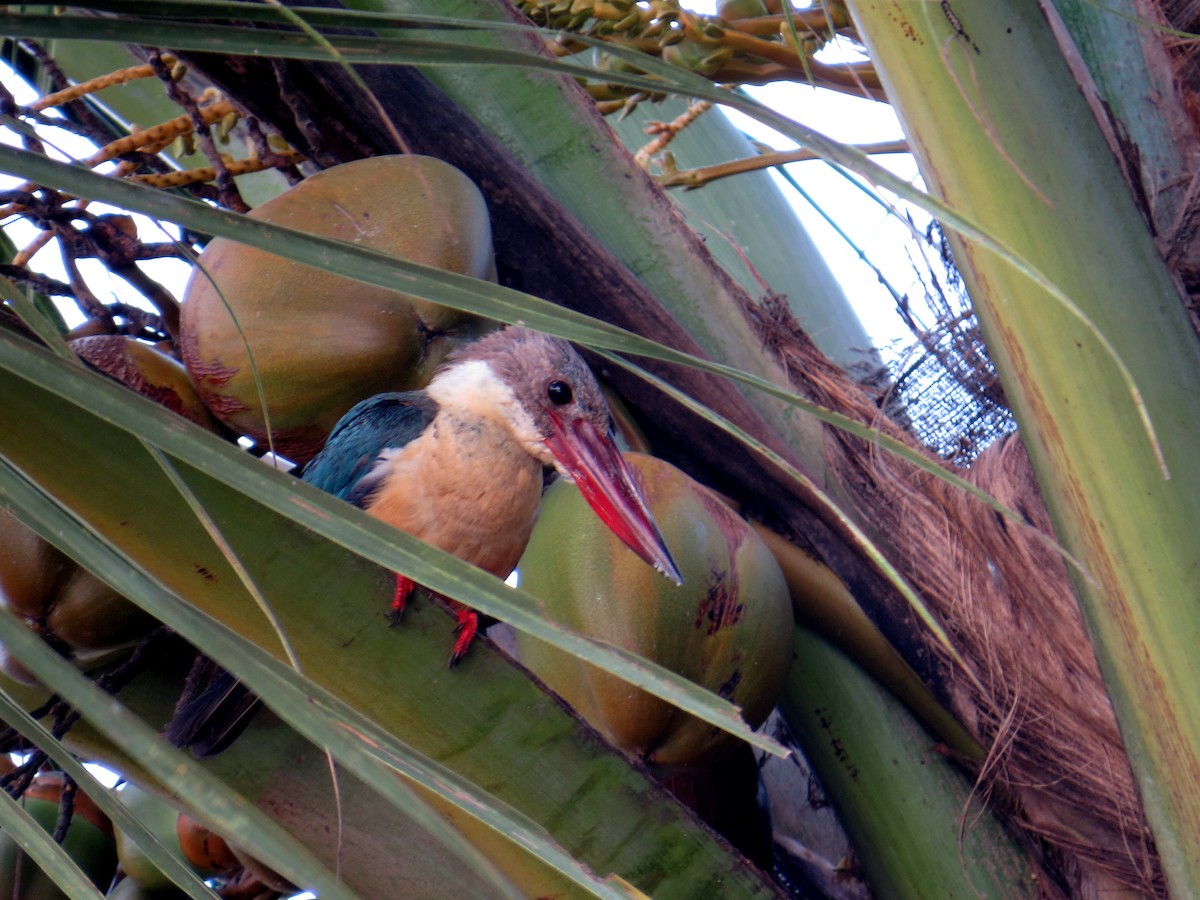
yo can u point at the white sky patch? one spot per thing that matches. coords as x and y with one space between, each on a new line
885 239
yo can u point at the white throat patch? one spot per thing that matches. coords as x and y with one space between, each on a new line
472 390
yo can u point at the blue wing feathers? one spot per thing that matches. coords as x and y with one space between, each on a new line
385 421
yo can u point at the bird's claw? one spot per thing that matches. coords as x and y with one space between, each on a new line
404 587
468 625
466 628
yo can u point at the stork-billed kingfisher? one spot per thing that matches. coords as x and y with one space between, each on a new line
460 464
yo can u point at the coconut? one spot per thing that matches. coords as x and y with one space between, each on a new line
727 628
255 326
88 842
144 369
67 605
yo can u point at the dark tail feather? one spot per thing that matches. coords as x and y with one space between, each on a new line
212 711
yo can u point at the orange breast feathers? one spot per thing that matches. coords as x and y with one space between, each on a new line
465 487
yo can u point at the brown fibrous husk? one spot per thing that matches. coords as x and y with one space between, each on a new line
1056 765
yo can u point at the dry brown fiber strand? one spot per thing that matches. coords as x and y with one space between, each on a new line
1054 735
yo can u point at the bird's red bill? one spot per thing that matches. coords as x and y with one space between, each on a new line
598 468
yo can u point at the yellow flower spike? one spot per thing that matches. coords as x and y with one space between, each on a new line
91 86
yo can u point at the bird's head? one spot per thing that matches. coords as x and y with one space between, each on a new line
547 398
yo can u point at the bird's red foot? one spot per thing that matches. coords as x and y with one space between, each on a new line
404 588
468 625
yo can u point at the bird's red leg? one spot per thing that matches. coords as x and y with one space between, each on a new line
404 588
468 619
468 625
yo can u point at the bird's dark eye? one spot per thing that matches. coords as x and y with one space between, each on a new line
559 393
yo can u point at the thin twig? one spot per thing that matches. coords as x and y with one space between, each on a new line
698 177
43 284
159 297
89 304
201 117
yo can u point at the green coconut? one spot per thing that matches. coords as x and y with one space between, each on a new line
727 628
322 342
89 842
68 606
146 370
160 819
